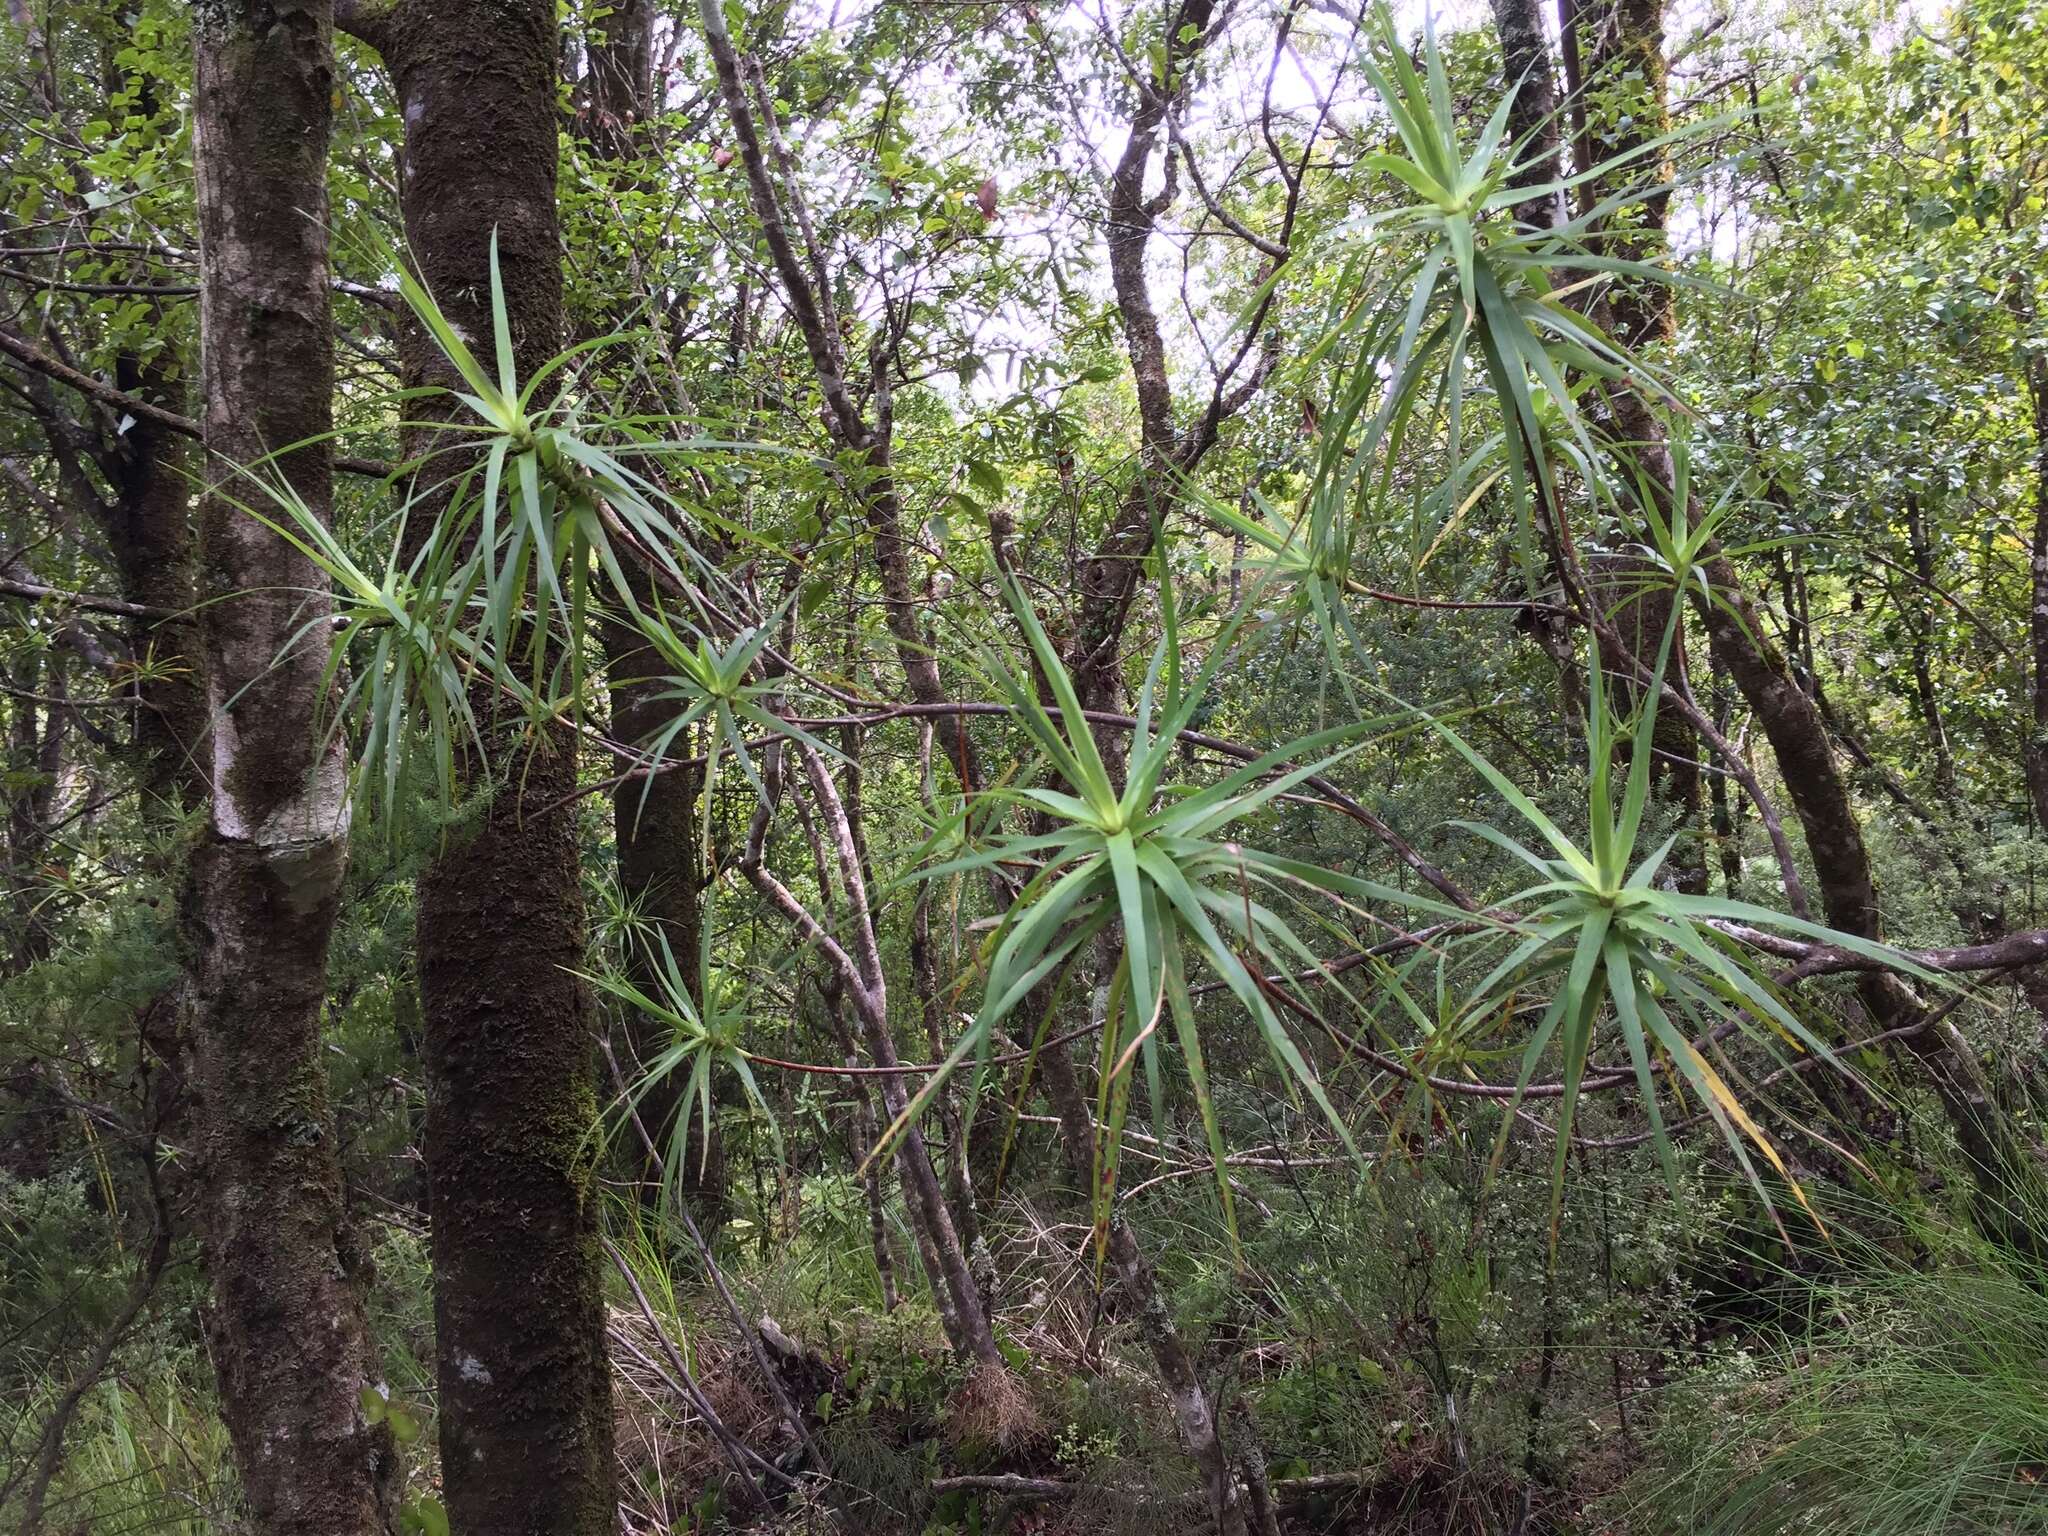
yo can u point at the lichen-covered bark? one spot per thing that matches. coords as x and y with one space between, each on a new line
525 1395
287 1328
525 1398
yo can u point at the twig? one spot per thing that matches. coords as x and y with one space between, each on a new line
92 602
29 355
744 1457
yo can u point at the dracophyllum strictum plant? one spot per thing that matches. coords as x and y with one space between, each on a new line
1451 279
1443 290
706 1031
529 538
1608 947
720 687
1164 870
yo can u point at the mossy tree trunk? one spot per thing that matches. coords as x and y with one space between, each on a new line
509 1028
148 528
287 1326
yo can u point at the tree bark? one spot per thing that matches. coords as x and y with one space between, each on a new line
287 1329
661 872
36 732
1620 46
510 1030
1919 619
619 89
150 532
1532 119
654 821
2036 755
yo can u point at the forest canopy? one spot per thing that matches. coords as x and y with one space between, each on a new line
1276 765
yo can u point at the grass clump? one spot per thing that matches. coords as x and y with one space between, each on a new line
1911 1400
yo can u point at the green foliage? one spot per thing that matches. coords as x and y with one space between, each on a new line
499 590
717 684
1476 289
1601 925
1509 1313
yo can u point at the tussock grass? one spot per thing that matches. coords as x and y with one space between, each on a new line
1914 1403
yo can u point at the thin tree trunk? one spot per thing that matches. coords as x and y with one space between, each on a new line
150 533
36 724
1727 808
1619 44
510 1029
287 1329
931 996
656 832
861 974
654 820
976 1338
931 999
2036 755
1920 618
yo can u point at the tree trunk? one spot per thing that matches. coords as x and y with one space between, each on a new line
1532 119
2037 739
972 1335
1920 622
1620 46
654 821
35 767
525 1390
149 531
862 1136
620 89
1727 809
287 1329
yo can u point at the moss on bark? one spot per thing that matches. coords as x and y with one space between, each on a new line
525 1392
